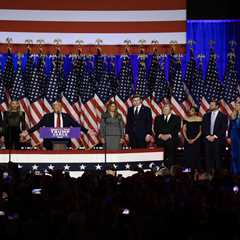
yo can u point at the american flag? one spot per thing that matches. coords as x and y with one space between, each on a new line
197 89
3 105
28 69
88 115
231 90
178 94
101 78
190 71
99 67
172 68
125 87
189 79
111 21
9 73
18 91
142 85
104 92
213 87
70 99
35 95
161 89
112 76
152 71
53 91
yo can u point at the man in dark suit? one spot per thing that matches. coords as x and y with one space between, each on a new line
56 119
139 124
166 128
214 133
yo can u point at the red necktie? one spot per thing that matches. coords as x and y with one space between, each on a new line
58 120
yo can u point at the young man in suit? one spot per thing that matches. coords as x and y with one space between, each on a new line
214 134
139 124
56 119
166 128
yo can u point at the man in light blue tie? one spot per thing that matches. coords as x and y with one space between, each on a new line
214 133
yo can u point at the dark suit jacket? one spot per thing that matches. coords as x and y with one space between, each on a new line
171 127
220 126
48 121
141 125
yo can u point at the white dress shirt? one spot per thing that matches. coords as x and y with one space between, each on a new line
138 108
213 119
167 117
55 120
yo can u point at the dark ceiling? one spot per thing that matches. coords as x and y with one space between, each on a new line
213 9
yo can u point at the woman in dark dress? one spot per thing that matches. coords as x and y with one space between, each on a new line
192 131
13 125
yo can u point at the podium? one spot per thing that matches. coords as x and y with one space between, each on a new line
59 137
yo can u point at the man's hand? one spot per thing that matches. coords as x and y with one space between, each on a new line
24 136
211 138
127 137
102 140
91 132
191 141
2 139
24 133
165 137
148 138
122 141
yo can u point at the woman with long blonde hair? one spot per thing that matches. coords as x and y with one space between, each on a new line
112 128
234 133
13 125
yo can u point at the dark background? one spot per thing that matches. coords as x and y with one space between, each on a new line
213 9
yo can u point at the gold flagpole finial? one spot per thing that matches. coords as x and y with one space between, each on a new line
173 44
155 42
201 57
127 42
9 41
211 43
40 42
98 42
79 42
142 42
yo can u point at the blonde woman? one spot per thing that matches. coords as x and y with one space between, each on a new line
112 128
13 124
234 132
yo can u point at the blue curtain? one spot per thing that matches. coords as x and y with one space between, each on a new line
220 31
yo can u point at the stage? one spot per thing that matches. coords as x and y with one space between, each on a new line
78 161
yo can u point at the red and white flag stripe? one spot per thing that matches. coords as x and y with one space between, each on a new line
111 21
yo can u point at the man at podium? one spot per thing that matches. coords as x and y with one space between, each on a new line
56 119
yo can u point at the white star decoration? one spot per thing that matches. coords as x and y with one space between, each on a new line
127 166
51 167
98 167
66 167
35 167
140 165
20 166
82 167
